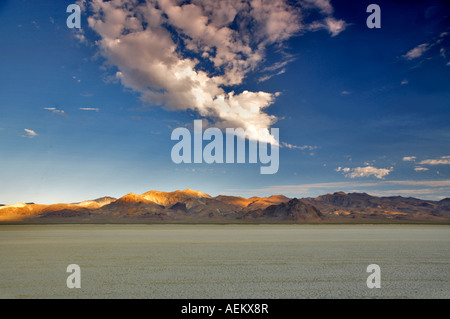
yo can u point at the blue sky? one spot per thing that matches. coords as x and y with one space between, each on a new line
88 113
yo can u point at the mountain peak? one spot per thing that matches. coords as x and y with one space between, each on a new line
99 202
294 210
132 198
18 205
195 193
278 197
168 199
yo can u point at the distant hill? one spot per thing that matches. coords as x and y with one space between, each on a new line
344 206
294 210
190 206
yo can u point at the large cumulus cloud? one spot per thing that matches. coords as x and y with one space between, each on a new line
190 55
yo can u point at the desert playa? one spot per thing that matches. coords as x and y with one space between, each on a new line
225 261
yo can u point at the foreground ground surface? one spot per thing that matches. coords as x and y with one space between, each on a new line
225 261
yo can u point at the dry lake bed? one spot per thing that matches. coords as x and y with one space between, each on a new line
225 261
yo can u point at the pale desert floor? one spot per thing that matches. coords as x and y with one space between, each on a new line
225 261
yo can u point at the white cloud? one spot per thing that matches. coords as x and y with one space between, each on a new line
323 5
231 35
419 169
55 111
330 24
266 77
295 147
29 133
365 171
80 36
345 93
90 109
417 51
280 64
335 26
444 160
409 158
404 82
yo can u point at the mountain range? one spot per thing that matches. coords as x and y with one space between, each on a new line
190 206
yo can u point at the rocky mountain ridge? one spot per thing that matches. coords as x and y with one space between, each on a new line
190 206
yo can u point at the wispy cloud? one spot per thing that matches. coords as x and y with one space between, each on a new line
95 109
420 169
29 133
444 160
35 24
432 183
75 78
421 49
429 193
277 68
79 34
335 26
331 24
409 158
365 171
324 5
266 77
295 147
280 64
55 111
417 51
404 82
